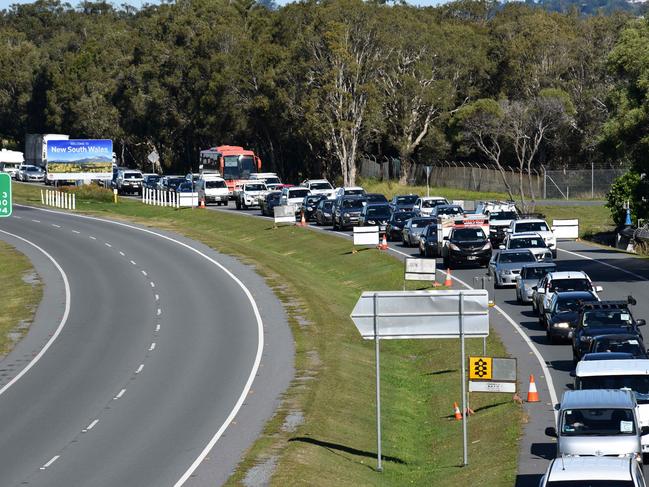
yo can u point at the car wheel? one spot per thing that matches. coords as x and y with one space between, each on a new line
551 339
238 205
575 358
554 254
518 297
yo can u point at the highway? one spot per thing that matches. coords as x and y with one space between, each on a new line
148 363
620 275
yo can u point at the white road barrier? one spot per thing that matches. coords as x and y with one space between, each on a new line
59 199
284 214
366 235
566 229
158 197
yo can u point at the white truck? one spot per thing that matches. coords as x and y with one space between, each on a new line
212 189
10 161
247 193
36 149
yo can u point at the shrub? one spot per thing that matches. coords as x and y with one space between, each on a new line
628 187
90 192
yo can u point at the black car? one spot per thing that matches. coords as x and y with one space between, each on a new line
269 202
396 222
151 181
185 187
467 245
403 202
310 203
323 212
376 198
561 317
347 211
603 318
428 244
374 214
611 344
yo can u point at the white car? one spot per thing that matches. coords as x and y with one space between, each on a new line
535 225
212 189
271 179
247 194
424 205
319 186
294 196
557 282
10 168
532 241
593 471
348 191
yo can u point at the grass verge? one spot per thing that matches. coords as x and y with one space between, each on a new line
393 188
324 432
21 291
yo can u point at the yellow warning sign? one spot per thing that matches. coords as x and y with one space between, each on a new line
480 368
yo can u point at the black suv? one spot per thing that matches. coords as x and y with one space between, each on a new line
603 318
467 245
396 223
375 214
347 211
560 320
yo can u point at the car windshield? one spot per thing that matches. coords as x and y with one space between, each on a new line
535 272
326 205
378 211
637 383
512 257
272 180
355 203
406 200
468 234
32 169
152 179
531 227
312 199
563 305
432 203
354 191
175 181
562 285
607 318
598 422
402 216
503 215
625 345
273 197
298 193
451 210
132 175
257 187
185 187
420 222
591 483
321 186
376 198
215 184
526 243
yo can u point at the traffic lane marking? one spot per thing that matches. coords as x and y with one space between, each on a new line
54 459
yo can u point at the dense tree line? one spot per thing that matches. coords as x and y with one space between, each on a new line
314 85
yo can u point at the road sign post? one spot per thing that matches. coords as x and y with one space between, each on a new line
428 169
399 315
5 195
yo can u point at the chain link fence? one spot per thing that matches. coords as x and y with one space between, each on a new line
568 183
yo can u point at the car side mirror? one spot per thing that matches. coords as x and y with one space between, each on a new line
534 288
551 431
573 373
644 431
598 289
446 237
540 291
640 322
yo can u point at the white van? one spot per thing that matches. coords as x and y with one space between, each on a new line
212 189
619 374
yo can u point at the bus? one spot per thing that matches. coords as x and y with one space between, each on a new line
232 163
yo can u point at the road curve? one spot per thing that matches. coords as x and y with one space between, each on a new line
147 371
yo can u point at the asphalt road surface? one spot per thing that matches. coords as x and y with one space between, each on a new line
144 350
620 275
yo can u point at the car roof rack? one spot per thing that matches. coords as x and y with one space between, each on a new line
609 304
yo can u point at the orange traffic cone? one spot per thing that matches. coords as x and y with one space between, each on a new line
456 412
201 203
448 282
533 394
303 220
384 243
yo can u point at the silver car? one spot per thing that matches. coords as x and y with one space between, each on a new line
30 173
506 265
529 277
413 229
606 471
598 422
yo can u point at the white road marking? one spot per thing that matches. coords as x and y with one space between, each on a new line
633 274
36 221
152 284
92 238
159 311
253 304
133 262
157 327
62 323
19 217
157 297
122 253
152 347
107 244
56 226
90 426
54 459
76 231
144 273
139 369
119 394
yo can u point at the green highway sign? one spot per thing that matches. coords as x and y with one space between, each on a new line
5 195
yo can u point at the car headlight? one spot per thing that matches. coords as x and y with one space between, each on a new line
454 247
584 339
506 272
487 246
563 324
346 215
371 221
327 214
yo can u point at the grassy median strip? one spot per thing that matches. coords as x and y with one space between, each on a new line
21 291
324 433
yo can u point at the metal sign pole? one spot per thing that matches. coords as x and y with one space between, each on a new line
465 458
484 339
379 466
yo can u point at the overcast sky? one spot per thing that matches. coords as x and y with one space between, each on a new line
138 3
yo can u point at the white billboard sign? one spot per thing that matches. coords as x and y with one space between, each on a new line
366 235
420 269
284 214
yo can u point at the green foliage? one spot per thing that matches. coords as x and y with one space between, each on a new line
90 192
629 188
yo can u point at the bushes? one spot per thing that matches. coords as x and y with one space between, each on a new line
629 187
90 192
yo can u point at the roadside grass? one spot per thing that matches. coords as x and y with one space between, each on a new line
21 291
333 440
592 219
393 188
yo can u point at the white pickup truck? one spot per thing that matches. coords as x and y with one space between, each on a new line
247 193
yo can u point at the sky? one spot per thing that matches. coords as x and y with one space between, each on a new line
4 4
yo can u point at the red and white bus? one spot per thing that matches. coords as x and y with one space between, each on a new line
233 163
